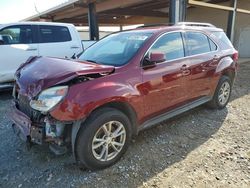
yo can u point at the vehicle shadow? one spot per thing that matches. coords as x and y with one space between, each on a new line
170 142
5 95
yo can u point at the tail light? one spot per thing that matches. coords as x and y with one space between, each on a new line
235 56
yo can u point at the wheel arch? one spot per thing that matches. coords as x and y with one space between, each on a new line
125 108
226 67
229 73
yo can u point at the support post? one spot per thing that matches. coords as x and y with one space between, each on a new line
93 24
231 20
177 11
183 10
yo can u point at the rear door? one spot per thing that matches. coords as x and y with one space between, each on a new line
164 85
202 54
57 41
18 46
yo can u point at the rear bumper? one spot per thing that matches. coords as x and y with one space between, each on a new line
25 128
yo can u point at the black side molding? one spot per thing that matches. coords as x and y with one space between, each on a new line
175 112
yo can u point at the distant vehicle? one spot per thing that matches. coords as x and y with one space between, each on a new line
124 83
19 41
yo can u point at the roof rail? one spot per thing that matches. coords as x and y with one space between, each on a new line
197 24
155 25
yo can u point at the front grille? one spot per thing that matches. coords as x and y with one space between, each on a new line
24 106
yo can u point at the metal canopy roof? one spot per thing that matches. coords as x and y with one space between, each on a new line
109 12
118 12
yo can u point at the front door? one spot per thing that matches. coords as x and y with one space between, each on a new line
164 84
18 45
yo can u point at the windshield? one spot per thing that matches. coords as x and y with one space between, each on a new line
116 49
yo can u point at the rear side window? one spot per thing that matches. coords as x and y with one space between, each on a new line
50 34
197 43
221 36
20 34
171 45
213 46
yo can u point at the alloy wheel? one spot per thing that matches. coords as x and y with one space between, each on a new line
109 141
224 93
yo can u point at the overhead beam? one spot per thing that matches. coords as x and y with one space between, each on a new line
210 5
152 5
112 4
119 21
69 11
134 12
243 11
51 10
100 7
78 12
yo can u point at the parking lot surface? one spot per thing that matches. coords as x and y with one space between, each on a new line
200 148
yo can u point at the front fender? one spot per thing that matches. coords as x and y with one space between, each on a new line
83 98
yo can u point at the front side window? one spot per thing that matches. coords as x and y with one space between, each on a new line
21 34
197 43
50 34
116 49
171 45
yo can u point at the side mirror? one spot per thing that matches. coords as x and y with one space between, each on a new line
1 40
153 59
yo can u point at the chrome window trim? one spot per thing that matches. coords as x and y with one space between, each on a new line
185 50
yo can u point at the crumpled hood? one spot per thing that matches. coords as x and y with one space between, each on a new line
40 73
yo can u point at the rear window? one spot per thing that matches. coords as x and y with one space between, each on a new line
197 43
50 34
221 36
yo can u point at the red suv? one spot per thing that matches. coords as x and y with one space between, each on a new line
124 83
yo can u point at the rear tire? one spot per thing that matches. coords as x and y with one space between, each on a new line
222 93
103 139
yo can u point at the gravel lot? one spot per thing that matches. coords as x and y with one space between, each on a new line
201 148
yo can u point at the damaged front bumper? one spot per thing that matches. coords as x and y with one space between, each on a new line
38 133
26 129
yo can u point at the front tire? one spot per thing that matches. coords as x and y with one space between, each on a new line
222 93
103 139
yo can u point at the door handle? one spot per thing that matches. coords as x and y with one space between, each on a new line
216 58
185 70
184 67
74 47
31 49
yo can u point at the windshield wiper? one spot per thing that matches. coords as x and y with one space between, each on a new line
92 61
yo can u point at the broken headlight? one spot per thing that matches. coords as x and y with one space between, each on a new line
49 98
